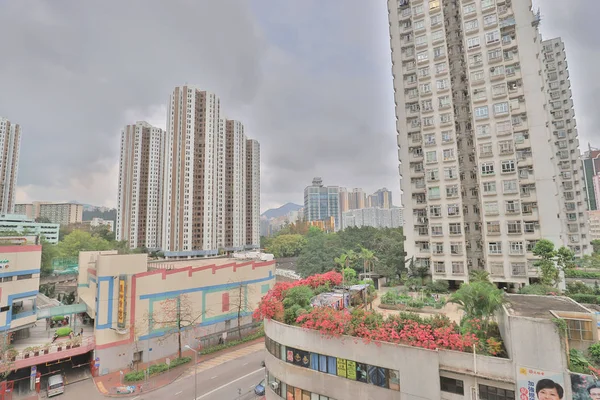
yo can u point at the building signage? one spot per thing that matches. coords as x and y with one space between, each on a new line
121 304
351 370
584 387
298 357
341 367
531 382
4 264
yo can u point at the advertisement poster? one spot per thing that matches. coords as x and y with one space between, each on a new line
585 387
535 384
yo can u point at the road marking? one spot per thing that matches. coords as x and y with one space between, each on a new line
178 393
245 364
227 384
136 397
213 377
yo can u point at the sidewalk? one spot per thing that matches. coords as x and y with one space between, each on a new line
107 384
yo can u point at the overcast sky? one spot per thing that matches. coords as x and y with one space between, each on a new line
310 80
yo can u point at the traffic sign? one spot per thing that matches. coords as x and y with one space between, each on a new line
33 370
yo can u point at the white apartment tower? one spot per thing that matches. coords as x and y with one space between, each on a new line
476 163
10 144
572 193
139 206
205 181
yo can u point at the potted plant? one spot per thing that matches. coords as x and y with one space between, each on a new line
69 343
12 354
36 351
27 351
46 348
76 341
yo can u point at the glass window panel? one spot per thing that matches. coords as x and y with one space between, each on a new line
332 365
314 361
322 363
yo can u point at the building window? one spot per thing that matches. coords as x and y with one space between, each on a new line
433 193
501 108
473 43
452 385
510 187
489 187
508 166
435 211
487 169
495 247
451 191
490 207
455 228
453 210
481 112
494 393
26 276
447 136
483 130
516 248
493 227
436 230
514 227
225 302
579 329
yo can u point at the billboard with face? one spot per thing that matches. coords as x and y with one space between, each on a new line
535 384
585 387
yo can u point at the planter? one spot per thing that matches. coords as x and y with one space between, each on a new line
46 351
59 348
37 353
26 355
13 358
76 345
68 346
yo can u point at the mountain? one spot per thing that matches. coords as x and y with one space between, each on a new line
281 211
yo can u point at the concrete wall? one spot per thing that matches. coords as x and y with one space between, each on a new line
287 263
15 262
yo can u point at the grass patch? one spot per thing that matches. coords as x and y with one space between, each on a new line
156 369
213 349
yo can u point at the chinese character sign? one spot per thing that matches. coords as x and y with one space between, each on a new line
121 302
535 384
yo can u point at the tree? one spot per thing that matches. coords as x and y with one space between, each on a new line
478 300
549 273
479 275
286 245
368 258
596 245
77 241
49 252
319 252
175 315
565 258
238 301
104 232
6 354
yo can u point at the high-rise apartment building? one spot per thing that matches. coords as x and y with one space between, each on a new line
10 144
206 178
381 198
477 166
571 193
322 202
357 199
591 172
253 194
141 168
344 201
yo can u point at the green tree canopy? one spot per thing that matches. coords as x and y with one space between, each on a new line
77 241
286 245
479 300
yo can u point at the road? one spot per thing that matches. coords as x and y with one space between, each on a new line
220 382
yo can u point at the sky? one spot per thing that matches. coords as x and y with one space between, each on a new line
310 80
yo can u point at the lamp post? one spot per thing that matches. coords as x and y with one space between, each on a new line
195 371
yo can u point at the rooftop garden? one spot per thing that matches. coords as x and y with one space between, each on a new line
289 303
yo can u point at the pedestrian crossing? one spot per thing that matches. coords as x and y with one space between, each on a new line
214 362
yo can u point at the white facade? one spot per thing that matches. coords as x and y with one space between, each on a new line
375 217
139 208
10 145
205 182
22 225
477 192
96 222
567 156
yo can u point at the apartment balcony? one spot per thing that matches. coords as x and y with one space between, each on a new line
524 143
525 162
515 90
417 173
520 126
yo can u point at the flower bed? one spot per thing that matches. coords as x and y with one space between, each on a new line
436 332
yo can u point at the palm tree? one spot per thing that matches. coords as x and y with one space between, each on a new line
479 275
368 258
479 300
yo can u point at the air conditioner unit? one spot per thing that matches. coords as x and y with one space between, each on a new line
274 385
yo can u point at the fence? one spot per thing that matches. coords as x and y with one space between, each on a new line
232 334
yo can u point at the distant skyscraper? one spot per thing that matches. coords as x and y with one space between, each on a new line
356 199
322 202
206 178
344 202
10 144
141 168
382 199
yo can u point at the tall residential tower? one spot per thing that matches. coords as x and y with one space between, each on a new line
141 168
478 168
322 203
10 143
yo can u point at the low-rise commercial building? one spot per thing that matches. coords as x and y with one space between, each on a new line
20 261
135 304
304 364
22 225
594 217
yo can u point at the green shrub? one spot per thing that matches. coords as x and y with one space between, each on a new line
437 287
579 287
538 289
213 349
180 361
594 351
585 298
389 297
134 376
577 273
416 303
64 331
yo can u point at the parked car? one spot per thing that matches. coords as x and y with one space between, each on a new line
259 389
56 385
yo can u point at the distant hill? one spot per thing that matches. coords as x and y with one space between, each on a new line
281 211
100 212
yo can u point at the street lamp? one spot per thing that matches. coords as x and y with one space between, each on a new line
195 371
